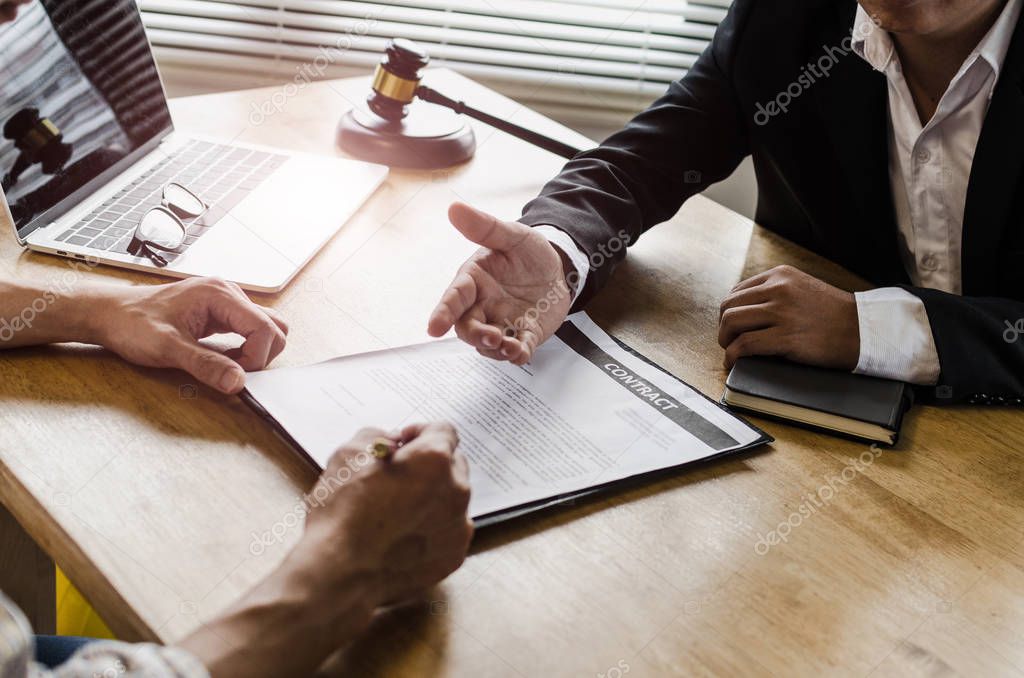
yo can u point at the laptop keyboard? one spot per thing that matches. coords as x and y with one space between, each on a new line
221 175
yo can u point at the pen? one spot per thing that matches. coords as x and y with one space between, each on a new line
382 448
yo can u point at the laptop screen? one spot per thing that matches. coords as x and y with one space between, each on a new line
80 101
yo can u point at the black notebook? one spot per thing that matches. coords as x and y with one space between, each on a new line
837 402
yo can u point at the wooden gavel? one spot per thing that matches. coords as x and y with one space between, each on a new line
396 84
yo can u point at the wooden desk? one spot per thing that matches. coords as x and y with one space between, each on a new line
147 491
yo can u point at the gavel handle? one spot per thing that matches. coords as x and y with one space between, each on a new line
547 143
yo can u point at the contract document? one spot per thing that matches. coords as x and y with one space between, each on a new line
585 415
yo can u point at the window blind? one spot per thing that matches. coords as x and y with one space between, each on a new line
615 54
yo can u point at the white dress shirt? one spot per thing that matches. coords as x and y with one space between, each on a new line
929 168
100 658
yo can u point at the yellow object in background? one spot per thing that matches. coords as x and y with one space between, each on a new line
75 617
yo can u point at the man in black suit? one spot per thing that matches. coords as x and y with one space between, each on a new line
886 135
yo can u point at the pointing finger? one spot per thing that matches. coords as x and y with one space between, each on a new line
456 300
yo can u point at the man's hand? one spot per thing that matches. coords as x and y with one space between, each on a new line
404 519
785 312
515 284
379 532
161 325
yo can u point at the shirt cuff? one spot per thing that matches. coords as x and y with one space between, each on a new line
896 339
568 246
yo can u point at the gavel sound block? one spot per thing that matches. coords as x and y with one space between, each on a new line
400 131
430 138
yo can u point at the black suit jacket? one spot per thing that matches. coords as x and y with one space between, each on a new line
822 172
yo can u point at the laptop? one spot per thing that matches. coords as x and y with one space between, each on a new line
88 149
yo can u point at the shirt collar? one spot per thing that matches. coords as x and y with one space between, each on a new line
996 43
876 46
872 43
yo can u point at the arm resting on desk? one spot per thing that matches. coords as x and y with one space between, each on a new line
690 138
154 326
376 534
895 337
979 347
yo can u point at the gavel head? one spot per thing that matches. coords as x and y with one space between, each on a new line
38 139
396 79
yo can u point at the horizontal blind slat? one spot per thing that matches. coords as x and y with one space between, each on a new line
445 55
572 52
509 44
504 23
559 87
199 11
630 15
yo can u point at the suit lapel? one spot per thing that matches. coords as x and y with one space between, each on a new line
995 175
853 104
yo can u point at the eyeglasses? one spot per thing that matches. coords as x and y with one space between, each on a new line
161 229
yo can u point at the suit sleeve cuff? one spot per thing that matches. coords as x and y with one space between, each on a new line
564 242
896 339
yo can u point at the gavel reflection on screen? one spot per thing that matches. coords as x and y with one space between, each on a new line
396 133
38 141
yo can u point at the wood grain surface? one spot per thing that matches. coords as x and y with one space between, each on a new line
150 491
